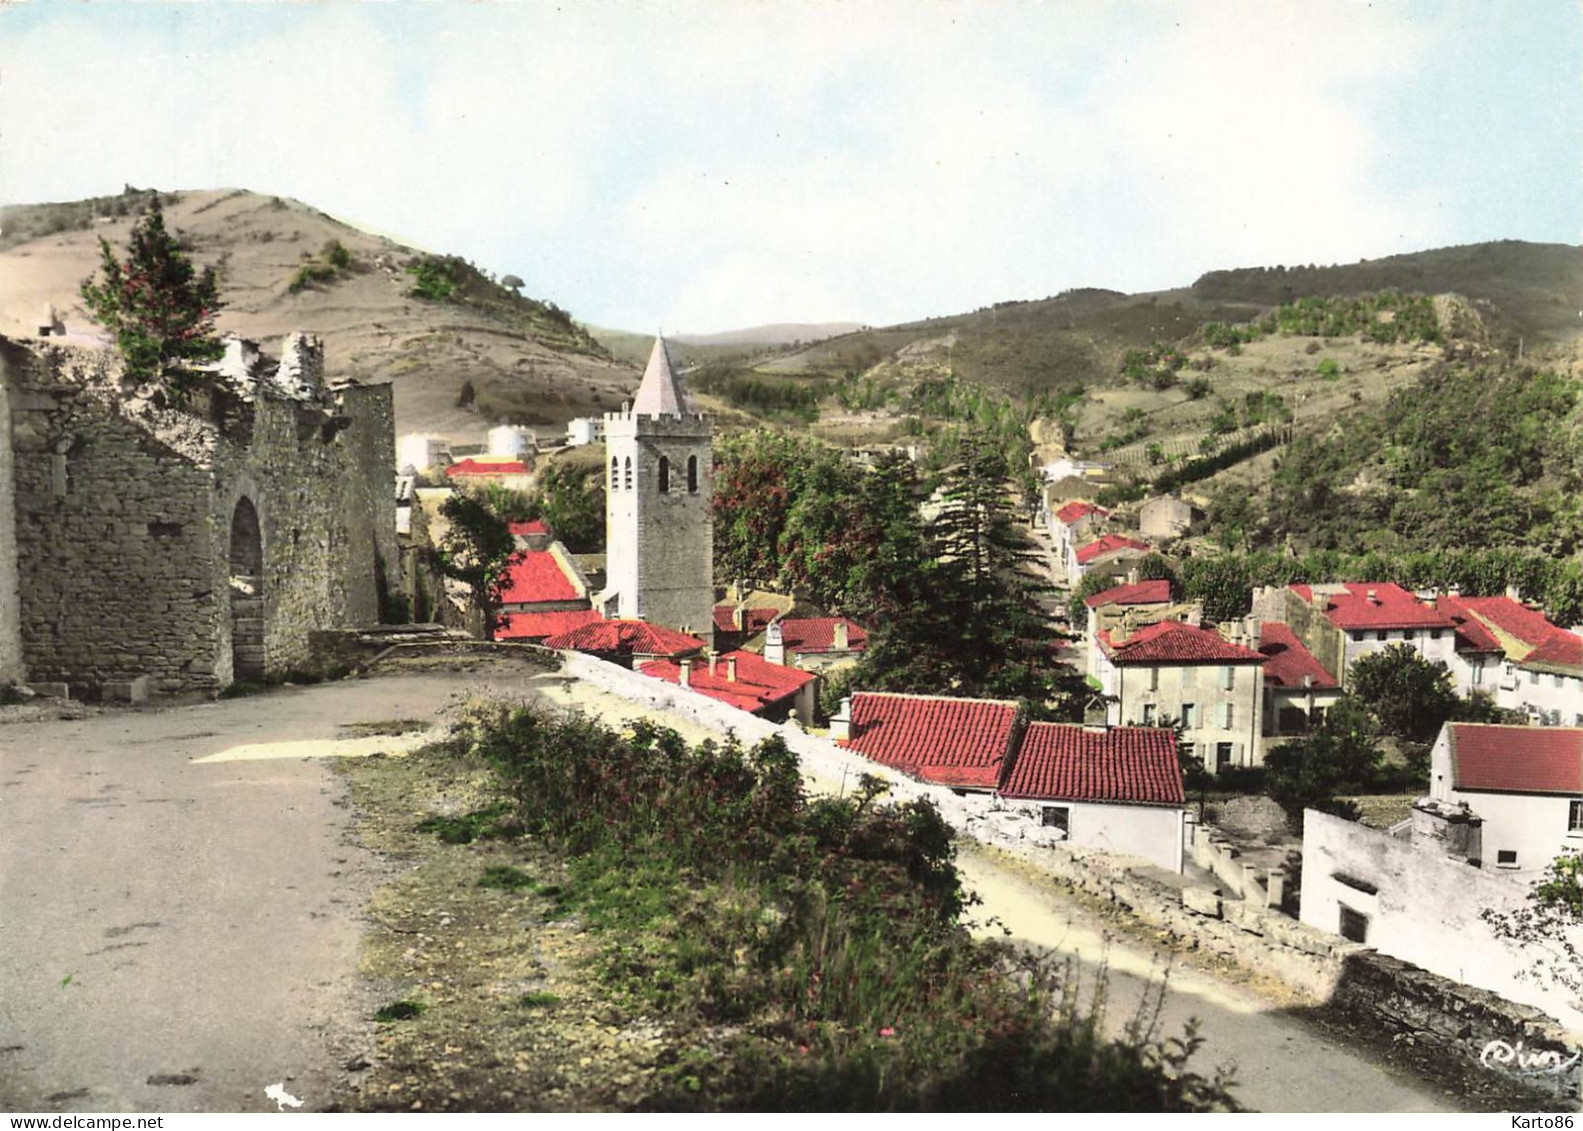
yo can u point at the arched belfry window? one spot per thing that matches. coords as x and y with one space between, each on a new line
615 472
692 475
627 478
665 475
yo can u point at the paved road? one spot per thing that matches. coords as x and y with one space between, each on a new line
180 897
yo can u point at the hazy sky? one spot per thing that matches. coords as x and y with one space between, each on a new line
705 164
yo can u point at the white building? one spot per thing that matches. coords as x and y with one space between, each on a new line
1340 623
417 452
512 441
584 430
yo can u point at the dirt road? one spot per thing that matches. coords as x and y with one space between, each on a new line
181 892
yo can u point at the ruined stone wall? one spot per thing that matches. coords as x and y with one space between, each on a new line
119 564
10 608
125 520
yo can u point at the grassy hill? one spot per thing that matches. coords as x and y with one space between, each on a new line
524 359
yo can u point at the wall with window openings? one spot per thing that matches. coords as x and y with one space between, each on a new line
1221 706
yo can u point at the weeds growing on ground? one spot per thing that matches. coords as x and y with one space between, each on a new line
808 954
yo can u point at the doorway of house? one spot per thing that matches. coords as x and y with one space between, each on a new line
247 594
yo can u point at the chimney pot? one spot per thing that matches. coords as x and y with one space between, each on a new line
731 668
687 672
713 657
841 642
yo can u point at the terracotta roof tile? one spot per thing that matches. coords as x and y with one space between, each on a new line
1563 650
487 467
1068 762
1391 606
1075 510
959 742
538 626
536 577
758 686
1515 619
817 634
622 637
1109 544
1508 759
532 526
1137 593
1172 642
753 620
1472 635
1288 660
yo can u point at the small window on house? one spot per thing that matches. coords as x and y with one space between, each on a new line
1154 679
665 475
1148 714
1227 715
1506 858
1381 634
1533 677
1357 636
1556 681
1227 675
1186 750
627 477
1189 715
1354 925
1189 676
692 475
1575 816
1222 755
615 473
1434 634
1057 817
1477 674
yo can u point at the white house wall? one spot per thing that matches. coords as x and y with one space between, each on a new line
1149 832
1557 699
1200 685
1425 909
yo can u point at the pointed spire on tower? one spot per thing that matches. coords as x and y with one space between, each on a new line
661 392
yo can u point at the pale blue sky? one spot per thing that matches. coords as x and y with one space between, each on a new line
702 164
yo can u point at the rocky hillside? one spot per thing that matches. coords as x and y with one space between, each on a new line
472 353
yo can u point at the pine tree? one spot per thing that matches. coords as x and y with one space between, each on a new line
159 307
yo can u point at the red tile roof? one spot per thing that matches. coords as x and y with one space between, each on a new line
1172 642
1068 762
1511 617
1472 636
1391 607
1507 759
532 526
753 620
537 626
471 466
817 634
1074 511
636 637
1138 593
1109 544
535 577
1288 660
758 686
958 742
1563 650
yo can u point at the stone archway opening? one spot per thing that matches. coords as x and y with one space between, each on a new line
247 594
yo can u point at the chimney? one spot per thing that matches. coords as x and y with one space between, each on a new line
775 644
841 721
1374 598
841 643
731 668
687 672
713 657
738 617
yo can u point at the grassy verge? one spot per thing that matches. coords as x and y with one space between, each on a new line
624 922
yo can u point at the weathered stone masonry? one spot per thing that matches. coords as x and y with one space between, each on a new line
146 537
10 612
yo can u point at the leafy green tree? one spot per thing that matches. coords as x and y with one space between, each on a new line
1155 566
1077 604
159 307
476 549
1408 696
1221 582
572 501
1313 772
1548 928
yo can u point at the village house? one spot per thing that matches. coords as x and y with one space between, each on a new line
1338 623
1503 803
1137 603
744 681
213 540
584 430
629 643
1070 525
1114 555
419 453
1298 691
1112 789
1164 517
745 611
512 441
476 473
1175 672
1517 655
814 644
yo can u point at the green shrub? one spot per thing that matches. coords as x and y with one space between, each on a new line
1329 369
